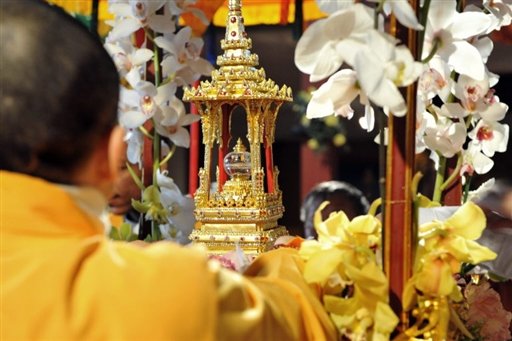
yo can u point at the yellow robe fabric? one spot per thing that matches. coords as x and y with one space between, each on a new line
61 279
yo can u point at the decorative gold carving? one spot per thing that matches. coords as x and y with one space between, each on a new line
241 211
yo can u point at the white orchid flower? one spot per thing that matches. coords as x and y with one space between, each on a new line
367 122
448 30
180 209
501 11
329 42
139 103
171 121
474 161
138 14
494 110
402 11
444 136
471 92
333 96
128 59
381 67
134 141
435 80
144 102
490 137
184 60
179 7
421 125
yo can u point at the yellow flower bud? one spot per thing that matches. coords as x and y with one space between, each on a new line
331 121
313 144
339 140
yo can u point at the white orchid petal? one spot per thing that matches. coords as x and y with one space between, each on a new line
309 46
166 44
120 9
124 28
154 5
133 77
485 47
370 71
201 66
181 137
440 14
319 108
466 60
141 56
339 25
326 66
469 24
170 65
405 14
165 93
481 163
381 45
182 37
170 117
146 88
189 119
162 24
129 98
494 112
453 110
132 119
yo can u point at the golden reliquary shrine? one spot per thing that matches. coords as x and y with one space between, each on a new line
245 205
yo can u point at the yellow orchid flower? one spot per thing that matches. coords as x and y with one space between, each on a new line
331 230
344 263
456 235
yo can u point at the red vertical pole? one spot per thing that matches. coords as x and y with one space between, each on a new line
398 214
285 9
452 196
269 162
223 149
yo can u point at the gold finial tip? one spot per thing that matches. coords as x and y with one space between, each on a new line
234 5
239 147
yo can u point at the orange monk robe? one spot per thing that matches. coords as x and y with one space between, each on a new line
61 279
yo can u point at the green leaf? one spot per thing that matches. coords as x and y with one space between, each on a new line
140 207
151 194
125 231
114 233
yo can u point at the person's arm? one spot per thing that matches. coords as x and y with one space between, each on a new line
271 301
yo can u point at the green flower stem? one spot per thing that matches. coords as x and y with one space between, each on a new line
415 212
375 206
432 53
168 156
453 177
155 231
145 132
423 22
467 186
135 177
441 169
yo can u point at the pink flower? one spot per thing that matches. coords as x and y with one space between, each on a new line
486 312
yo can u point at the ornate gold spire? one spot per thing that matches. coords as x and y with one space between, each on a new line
237 77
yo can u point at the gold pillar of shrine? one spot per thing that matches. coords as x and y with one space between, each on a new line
246 204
